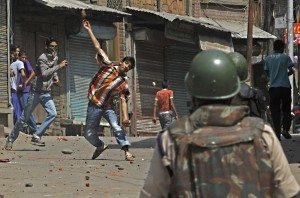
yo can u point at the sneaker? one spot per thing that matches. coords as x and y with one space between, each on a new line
36 140
286 135
129 157
8 146
98 151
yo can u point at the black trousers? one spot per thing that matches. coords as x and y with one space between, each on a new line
280 103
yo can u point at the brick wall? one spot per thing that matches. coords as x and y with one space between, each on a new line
196 8
222 12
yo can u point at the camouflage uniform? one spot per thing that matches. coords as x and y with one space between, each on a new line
271 177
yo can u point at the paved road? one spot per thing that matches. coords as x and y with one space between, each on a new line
109 175
37 172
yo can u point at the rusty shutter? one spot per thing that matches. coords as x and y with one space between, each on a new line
82 67
149 69
4 97
178 59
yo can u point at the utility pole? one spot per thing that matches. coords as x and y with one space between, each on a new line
250 40
290 39
290 32
290 48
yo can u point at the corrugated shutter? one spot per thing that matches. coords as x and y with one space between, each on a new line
149 69
82 67
178 59
4 98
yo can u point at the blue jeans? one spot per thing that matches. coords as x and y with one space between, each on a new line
166 119
23 98
34 99
16 107
93 117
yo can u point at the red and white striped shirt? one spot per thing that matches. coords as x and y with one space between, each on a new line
106 83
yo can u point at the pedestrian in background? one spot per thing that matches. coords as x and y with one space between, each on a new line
278 67
107 83
218 150
24 90
167 110
17 74
46 75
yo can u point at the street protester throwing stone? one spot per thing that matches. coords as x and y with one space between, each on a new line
107 83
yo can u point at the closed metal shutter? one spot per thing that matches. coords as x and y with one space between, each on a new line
149 69
178 59
4 98
82 67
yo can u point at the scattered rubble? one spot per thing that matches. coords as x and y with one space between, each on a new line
67 151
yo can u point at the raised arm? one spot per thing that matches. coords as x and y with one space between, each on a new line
87 26
101 56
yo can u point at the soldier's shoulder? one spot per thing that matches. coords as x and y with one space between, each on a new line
181 125
256 122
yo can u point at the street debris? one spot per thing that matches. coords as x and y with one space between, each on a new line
62 139
67 151
4 160
28 185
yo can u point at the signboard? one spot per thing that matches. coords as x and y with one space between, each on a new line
296 28
280 22
296 34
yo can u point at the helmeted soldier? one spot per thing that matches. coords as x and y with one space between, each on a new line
218 150
248 95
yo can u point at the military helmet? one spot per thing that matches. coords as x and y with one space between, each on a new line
240 64
212 75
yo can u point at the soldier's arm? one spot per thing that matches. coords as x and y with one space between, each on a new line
285 183
157 183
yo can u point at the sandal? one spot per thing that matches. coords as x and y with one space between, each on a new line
129 157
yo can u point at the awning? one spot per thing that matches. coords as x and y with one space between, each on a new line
239 29
172 17
75 4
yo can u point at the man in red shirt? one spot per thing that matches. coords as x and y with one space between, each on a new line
166 106
107 83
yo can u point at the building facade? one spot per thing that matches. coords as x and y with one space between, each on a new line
162 35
